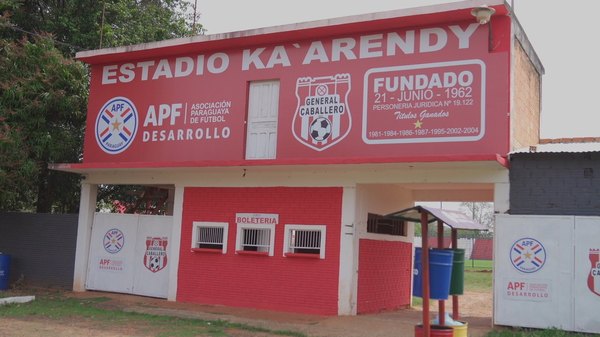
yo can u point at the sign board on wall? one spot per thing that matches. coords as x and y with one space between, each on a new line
415 92
533 262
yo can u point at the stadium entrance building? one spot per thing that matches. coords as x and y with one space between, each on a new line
283 147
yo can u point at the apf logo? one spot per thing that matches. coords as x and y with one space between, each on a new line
116 125
593 280
322 118
113 241
527 255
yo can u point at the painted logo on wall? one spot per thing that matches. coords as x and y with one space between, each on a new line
527 255
113 241
322 117
116 125
593 280
155 258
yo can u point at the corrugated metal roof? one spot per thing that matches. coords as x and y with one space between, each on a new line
454 219
561 148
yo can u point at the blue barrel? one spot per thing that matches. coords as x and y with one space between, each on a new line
417 274
4 270
440 273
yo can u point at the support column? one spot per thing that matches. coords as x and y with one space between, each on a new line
87 208
425 272
441 303
455 313
175 242
347 284
501 198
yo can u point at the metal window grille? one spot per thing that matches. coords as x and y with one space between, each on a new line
256 239
305 241
210 237
382 225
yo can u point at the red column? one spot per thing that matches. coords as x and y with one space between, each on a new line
440 244
425 269
455 314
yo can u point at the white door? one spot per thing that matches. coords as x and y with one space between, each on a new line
152 255
112 250
130 254
263 107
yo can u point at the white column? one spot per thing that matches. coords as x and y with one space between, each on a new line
87 208
348 255
175 242
501 197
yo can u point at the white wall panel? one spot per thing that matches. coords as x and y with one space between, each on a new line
130 254
586 282
152 256
532 268
112 252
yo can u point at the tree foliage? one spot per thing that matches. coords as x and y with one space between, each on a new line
43 98
92 24
482 212
43 93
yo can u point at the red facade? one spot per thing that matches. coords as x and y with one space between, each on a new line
276 282
384 275
427 93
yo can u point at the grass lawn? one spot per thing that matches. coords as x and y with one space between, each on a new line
58 307
479 264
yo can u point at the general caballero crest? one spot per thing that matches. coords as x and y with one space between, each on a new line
155 258
322 118
593 280
116 125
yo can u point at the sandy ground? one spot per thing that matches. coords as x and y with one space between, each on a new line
475 307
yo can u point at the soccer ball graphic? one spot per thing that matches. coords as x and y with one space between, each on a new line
155 263
320 129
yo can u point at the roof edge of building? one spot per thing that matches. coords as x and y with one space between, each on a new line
96 56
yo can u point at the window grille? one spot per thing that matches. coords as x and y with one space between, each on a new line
304 239
210 236
381 225
256 239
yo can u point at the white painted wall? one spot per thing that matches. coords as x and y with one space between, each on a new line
175 242
348 276
530 296
309 175
382 199
87 207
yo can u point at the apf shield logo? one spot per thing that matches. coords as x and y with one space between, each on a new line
155 258
528 255
113 241
116 125
593 280
322 118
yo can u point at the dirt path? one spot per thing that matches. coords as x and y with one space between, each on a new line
476 308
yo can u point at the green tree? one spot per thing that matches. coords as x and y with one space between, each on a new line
43 95
91 24
482 212
43 98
